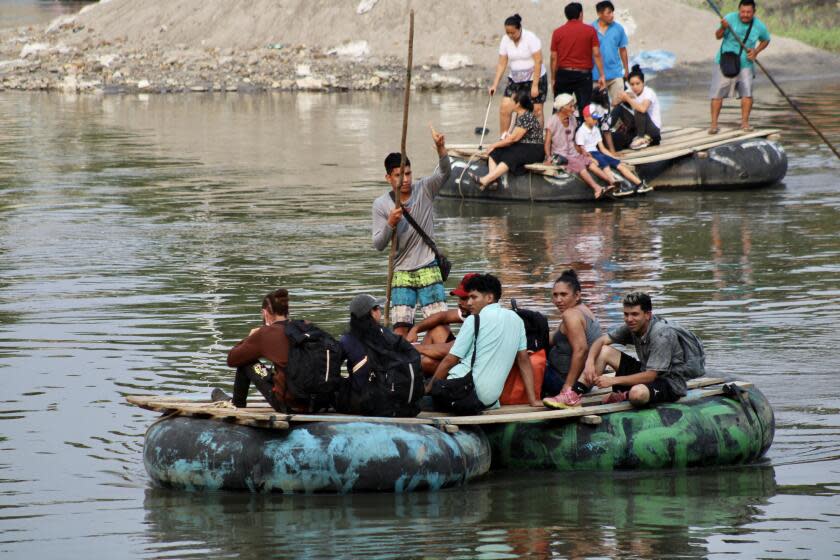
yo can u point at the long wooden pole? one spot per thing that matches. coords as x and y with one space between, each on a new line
397 201
778 87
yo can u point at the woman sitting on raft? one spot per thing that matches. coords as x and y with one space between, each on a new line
522 146
560 148
639 115
578 329
267 342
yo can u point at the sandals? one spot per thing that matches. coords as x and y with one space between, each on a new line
477 180
640 142
746 128
606 192
714 130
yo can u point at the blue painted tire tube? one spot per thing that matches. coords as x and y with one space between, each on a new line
719 430
200 454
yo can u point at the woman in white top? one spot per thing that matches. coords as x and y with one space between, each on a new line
645 120
522 50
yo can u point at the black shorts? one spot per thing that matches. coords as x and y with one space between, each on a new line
542 88
660 390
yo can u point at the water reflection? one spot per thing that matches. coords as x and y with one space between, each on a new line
138 232
571 516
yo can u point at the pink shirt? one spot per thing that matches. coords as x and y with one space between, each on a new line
562 138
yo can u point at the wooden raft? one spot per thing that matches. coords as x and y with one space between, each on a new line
676 142
261 415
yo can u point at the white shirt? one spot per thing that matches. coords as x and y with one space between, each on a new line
521 55
654 112
588 138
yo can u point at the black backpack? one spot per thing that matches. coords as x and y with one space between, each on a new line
396 384
314 369
536 327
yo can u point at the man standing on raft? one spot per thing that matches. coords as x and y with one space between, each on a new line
417 277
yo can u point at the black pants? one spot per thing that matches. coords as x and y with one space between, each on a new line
262 379
659 389
574 82
634 123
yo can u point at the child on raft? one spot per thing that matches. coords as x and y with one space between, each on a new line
560 148
589 138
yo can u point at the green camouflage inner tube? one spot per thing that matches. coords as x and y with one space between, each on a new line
721 430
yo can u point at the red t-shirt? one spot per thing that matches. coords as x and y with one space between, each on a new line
572 44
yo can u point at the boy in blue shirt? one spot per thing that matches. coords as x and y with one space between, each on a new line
744 24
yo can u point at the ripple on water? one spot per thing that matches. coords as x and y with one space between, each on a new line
133 255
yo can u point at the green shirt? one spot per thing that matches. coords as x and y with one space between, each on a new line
501 334
730 43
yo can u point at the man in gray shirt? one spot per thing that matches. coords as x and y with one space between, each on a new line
663 365
417 278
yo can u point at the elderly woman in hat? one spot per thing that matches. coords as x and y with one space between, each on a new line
560 148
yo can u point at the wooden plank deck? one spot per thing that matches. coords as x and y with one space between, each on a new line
676 142
259 414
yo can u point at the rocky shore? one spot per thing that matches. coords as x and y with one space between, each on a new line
30 60
162 46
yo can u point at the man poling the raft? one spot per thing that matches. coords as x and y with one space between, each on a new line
418 275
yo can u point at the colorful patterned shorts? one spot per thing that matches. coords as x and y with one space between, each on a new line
410 287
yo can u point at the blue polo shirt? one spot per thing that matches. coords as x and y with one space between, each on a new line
501 334
613 39
730 43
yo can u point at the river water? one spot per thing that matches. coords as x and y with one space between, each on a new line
138 233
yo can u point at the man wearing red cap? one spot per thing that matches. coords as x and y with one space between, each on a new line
439 337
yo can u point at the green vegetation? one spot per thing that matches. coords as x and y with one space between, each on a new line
814 22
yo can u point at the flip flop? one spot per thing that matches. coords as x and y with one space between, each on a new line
747 128
714 130
475 178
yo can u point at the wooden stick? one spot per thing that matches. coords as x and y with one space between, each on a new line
778 87
397 201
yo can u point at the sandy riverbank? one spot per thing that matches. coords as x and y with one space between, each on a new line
216 45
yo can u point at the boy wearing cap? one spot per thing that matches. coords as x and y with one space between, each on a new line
589 138
439 338
417 278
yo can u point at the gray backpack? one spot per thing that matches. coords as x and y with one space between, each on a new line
695 356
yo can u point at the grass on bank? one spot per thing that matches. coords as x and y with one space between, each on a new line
814 22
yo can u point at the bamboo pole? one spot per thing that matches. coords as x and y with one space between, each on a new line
397 201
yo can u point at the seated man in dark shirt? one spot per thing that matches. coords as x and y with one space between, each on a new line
267 342
663 365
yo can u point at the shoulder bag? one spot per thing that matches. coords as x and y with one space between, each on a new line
457 395
443 262
730 62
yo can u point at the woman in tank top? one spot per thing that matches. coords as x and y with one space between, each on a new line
578 329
